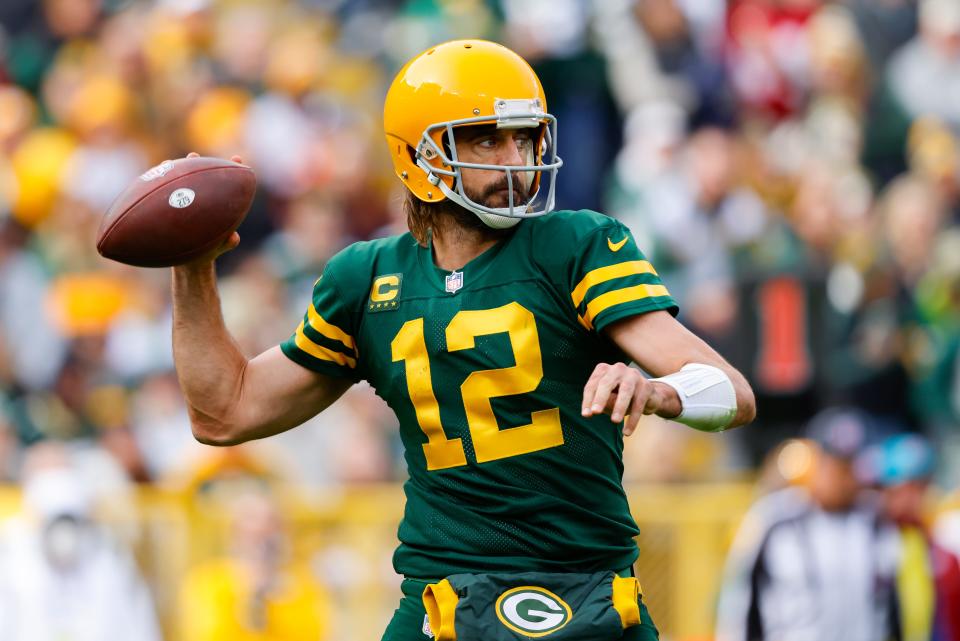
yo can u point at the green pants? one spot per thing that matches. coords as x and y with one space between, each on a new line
407 622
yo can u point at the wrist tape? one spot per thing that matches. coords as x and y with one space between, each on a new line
706 394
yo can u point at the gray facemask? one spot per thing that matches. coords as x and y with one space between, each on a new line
510 114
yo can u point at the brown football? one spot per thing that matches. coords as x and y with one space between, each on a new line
176 212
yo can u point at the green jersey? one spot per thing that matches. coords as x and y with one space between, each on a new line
485 368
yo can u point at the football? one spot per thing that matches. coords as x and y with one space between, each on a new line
176 212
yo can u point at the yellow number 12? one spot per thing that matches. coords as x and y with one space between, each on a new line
489 441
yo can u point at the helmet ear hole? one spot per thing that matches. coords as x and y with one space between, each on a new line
445 141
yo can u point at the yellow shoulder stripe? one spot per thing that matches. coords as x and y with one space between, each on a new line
603 274
321 352
318 323
625 295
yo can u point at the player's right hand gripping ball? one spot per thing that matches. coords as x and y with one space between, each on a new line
177 212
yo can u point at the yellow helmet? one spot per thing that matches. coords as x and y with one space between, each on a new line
467 82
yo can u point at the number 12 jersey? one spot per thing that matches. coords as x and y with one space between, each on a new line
485 368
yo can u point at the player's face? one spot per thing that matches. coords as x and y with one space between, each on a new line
905 502
489 145
834 484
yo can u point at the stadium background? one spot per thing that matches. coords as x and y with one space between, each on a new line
790 166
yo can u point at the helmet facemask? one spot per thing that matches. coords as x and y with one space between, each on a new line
438 144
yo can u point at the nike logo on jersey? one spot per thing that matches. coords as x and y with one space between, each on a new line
615 247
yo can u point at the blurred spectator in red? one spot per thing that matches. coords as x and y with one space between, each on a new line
769 55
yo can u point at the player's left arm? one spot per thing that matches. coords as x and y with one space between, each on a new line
663 347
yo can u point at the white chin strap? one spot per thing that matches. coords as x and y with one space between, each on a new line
496 221
501 220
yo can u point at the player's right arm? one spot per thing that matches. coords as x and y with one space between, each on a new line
232 399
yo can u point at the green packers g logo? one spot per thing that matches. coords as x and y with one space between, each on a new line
532 611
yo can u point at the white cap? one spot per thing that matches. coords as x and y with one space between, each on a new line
940 16
51 493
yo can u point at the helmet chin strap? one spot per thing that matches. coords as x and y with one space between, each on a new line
496 221
500 220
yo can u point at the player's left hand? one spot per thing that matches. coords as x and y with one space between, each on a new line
622 391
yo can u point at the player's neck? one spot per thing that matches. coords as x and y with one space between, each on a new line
455 245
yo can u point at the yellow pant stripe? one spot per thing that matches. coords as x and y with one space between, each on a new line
626 592
440 602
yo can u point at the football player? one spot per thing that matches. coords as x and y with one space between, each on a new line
499 332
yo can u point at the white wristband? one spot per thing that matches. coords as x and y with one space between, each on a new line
706 394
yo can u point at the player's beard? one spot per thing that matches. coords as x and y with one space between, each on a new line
494 196
448 217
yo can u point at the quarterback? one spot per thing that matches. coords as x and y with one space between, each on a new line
499 331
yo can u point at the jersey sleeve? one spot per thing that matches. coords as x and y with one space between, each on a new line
612 279
325 339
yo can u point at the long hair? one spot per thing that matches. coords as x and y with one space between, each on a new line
422 217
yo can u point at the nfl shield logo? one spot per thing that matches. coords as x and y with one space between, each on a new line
454 282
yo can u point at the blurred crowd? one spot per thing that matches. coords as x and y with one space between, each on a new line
792 168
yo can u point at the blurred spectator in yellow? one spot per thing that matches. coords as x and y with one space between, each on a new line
256 592
838 64
815 562
39 165
928 576
214 125
63 576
